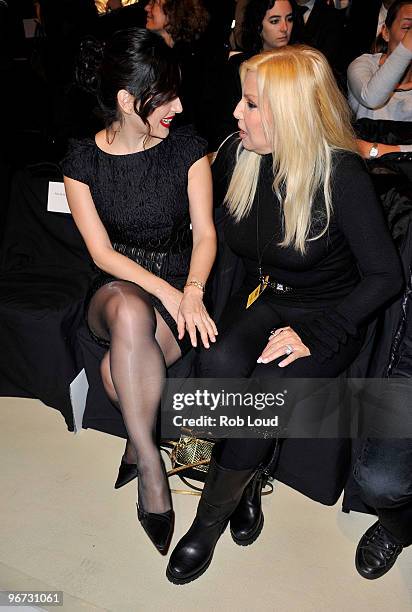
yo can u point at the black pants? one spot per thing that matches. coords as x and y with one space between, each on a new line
243 333
383 470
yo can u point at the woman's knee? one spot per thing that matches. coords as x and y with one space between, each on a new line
222 360
209 361
128 309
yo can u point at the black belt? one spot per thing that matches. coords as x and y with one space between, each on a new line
152 261
276 286
178 241
157 262
156 253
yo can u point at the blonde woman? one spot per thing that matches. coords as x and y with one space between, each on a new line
304 219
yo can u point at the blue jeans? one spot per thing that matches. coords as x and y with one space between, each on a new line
383 470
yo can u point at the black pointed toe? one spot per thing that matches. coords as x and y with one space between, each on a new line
127 473
159 527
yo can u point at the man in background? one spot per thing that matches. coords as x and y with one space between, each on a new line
323 29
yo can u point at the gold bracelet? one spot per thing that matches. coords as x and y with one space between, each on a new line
196 283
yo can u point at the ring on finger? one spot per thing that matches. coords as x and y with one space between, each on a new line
289 349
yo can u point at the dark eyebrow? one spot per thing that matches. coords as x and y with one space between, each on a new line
277 16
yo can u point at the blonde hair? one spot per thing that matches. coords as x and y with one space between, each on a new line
305 118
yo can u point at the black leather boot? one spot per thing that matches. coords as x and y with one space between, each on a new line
246 522
221 494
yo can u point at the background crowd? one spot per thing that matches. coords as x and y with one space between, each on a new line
41 68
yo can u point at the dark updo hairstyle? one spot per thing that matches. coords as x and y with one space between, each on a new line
380 45
136 60
186 19
255 11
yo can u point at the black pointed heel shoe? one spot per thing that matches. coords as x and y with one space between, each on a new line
127 473
221 495
159 527
246 522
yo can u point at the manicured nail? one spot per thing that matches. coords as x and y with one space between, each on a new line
259 360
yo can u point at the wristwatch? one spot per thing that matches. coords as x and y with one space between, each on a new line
374 151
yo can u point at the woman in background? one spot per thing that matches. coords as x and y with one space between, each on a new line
182 24
380 84
177 21
266 24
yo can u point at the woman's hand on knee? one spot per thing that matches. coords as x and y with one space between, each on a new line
284 341
193 317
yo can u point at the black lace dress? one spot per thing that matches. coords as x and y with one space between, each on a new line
142 201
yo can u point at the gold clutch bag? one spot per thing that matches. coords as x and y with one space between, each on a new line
190 458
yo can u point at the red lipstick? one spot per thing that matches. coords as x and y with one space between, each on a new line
166 121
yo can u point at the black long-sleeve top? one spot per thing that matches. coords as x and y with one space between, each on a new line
345 276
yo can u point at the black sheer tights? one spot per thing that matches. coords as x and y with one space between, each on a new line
133 372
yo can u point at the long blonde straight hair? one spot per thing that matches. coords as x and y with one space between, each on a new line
305 118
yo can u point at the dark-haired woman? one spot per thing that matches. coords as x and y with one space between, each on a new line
266 24
177 21
133 191
269 24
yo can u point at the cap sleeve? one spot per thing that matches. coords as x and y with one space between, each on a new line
77 162
190 146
